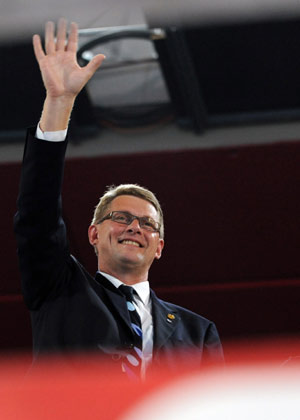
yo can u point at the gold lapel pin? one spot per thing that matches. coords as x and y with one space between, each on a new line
170 317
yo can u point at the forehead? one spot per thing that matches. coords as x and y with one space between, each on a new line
134 205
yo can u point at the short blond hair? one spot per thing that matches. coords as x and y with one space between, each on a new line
127 189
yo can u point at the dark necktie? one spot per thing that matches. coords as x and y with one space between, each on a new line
132 362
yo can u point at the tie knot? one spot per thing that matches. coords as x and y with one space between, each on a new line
127 291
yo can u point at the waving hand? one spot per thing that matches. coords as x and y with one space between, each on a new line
62 76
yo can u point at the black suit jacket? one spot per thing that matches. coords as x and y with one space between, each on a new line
70 309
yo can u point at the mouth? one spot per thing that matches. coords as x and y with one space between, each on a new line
130 242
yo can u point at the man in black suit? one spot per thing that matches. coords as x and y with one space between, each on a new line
70 309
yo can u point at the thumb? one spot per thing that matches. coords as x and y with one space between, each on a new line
94 64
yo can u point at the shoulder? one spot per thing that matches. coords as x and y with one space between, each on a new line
77 269
189 328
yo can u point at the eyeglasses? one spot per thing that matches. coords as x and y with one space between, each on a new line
125 218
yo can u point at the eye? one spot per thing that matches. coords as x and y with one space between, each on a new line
120 217
149 223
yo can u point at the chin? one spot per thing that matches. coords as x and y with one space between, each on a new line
131 259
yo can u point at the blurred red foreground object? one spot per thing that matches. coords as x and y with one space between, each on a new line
86 387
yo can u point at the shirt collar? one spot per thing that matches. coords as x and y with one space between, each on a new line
142 289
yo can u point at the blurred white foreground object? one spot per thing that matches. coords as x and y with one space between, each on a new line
246 393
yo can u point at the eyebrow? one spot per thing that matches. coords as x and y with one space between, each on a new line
129 212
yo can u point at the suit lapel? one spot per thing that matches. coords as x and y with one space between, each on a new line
115 299
165 321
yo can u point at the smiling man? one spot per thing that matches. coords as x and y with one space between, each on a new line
129 236
114 313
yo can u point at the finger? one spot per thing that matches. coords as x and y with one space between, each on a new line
37 47
73 38
61 35
94 64
49 38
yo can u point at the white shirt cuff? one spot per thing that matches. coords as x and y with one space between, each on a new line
51 135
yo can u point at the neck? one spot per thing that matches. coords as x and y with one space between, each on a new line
128 277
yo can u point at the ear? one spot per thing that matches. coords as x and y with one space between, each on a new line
93 234
160 246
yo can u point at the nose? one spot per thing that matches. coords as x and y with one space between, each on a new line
134 226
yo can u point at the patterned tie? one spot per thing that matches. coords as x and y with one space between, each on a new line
133 368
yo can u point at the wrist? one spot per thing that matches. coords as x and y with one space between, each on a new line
56 112
59 102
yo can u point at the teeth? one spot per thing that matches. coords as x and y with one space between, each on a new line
131 243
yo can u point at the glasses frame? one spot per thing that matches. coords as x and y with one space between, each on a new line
132 217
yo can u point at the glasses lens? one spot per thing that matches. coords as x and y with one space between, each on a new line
121 217
148 223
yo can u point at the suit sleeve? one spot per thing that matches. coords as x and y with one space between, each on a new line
212 349
40 231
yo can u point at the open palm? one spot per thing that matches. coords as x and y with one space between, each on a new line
62 76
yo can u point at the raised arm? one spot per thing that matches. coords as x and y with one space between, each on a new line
62 76
43 250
